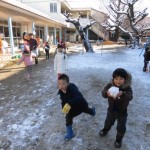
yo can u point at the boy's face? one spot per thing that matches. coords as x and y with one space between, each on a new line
119 81
60 50
62 84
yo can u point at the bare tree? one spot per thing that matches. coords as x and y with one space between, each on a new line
81 29
122 10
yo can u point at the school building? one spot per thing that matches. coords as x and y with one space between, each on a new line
44 18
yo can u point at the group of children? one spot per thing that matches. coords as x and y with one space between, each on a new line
118 92
60 60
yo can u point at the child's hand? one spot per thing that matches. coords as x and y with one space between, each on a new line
66 108
119 94
109 95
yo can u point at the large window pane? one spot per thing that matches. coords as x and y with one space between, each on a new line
14 32
18 32
53 7
6 32
1 29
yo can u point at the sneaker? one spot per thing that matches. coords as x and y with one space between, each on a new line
144 69
102 133
118 144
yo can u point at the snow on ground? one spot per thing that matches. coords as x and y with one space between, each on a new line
30 112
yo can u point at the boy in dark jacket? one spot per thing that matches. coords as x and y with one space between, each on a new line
146 58
73 103
47 48
118 103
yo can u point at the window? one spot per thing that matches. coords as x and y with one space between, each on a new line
53 7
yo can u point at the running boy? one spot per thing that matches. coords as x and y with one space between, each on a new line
73 103
118 103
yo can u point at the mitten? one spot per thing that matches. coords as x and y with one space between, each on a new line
66 108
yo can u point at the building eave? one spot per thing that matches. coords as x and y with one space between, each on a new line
22 8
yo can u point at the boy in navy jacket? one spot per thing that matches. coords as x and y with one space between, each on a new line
73 103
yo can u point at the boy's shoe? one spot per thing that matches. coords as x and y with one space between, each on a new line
93 111
144 69
103 132
70 133
118 144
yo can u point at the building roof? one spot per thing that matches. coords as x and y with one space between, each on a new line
25 9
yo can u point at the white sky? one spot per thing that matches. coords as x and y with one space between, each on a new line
101 4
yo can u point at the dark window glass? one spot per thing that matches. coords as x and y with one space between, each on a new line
18 32
6 32
53 7
1 29
14 31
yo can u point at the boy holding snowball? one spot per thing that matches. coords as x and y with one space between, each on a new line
119 93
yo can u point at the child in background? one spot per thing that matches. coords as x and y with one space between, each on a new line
60 61
47 48
118 103
146 58
73 103
27 58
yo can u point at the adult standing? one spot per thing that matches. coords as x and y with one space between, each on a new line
32 43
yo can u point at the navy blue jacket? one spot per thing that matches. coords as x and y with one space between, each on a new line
74 98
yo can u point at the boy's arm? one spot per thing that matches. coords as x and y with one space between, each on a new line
24 37
105 90
127 94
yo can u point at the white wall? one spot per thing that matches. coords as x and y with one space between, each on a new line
44 6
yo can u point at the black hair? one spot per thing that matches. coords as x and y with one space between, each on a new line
120 72
26 52
64 77
30 34
59 46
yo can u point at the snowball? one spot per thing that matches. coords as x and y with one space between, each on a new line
113 91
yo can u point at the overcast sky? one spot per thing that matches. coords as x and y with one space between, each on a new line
100 4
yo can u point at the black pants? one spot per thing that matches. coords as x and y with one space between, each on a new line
71 115
145 65
47 54
121 123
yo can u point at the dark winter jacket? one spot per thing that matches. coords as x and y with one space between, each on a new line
46 47
74 98
32 42
147 55
119 104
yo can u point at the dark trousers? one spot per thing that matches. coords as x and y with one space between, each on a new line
70 115
47 54
145 65
121 123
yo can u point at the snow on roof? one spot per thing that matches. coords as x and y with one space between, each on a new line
86 5
28 8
